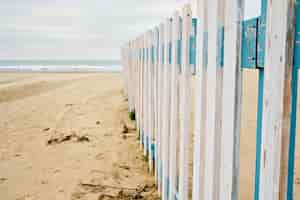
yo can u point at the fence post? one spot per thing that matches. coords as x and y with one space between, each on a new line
166 110
174 105
277 99
156 46
232 90
185 104
145 94
142 91
200 101
130 76
160 103
214 97
138 114
150 99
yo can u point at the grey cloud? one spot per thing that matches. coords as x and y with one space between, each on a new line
87 29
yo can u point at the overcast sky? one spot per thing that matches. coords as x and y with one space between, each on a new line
79 29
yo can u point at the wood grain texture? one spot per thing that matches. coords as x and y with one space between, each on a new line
145 78
214 97
150 99
200 101
277 98
160 103
185 105
232 84
155 81
166 110
174 105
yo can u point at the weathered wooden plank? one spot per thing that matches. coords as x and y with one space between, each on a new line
145 88
174 105
200 102
138 111
277 99
134 58
130 70
155 81
293 128
150 100
185 105
147 96
232 90
142 92
297 37
160 103
166 110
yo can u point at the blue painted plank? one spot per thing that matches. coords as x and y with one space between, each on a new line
192 45
170 52
297 36
147 145
259 132
292 144
179 45
142 138
148 54
153 150
221 46
261 35
249 45
157 47
162 53
152 54
179 50
293 124
139 54
143 56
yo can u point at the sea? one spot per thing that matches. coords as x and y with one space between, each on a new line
62 66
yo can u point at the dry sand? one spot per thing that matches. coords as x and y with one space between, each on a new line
69 109
82 117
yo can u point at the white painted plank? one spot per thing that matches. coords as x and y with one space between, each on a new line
174 71
145 85
129 77
232 85
146 138
150 100
166 111
135 77
138 85
214 96
141 89
200 103
277 98
160 102
155 81
185 105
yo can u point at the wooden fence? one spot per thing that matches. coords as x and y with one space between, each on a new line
215 47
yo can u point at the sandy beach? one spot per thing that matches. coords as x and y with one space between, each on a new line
61 137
